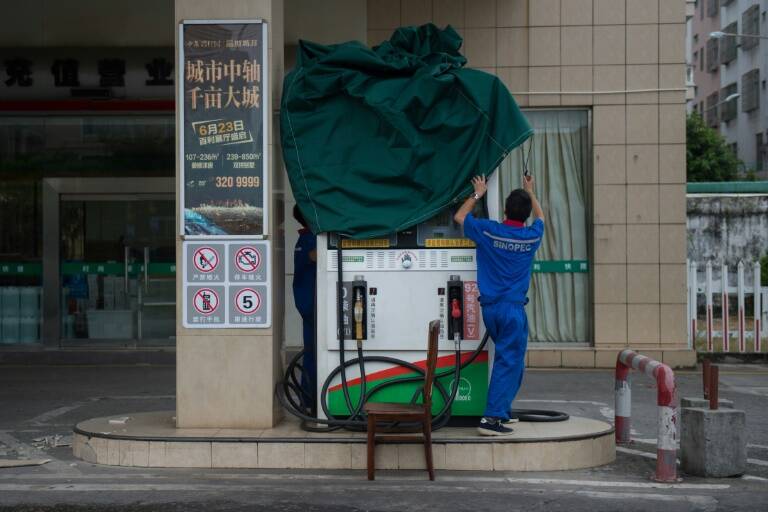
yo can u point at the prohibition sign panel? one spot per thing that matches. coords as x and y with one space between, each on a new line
248 262
227 284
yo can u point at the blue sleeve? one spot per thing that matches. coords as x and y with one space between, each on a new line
537 228
472 228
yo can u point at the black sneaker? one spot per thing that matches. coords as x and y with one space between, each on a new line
493 427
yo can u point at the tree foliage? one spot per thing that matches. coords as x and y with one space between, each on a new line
708 156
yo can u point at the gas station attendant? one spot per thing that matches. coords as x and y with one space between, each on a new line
505 254
304 279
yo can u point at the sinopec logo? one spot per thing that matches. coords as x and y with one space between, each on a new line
464 393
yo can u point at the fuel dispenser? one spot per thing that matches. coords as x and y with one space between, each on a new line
390 288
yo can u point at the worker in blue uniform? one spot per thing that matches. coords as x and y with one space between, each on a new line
304 283
504 262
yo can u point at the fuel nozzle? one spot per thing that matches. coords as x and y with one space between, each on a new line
456 299
359 289
358 315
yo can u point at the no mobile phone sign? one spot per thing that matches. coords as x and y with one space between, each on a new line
206 301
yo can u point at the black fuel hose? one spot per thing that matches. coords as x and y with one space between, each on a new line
358 423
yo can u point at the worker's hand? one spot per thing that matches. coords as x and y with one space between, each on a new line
481 187
528 184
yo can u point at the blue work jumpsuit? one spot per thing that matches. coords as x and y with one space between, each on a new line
504 262
304 279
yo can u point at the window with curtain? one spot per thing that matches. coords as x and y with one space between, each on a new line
558 156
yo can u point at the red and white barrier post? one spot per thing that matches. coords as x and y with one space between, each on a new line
693 281
666 448
724 308
756 296
740 295
710 343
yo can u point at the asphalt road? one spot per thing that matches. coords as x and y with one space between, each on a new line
39 402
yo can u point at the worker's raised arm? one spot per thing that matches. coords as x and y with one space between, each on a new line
480 188
538 213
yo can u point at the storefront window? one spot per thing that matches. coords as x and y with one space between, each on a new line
558 158
36 147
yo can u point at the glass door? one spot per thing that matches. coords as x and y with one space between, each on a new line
117 269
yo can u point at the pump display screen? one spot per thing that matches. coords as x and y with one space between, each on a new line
441 231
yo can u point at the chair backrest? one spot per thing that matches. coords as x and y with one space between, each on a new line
429 374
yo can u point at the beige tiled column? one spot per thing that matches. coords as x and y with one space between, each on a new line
225 378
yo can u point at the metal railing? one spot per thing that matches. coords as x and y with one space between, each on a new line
723 329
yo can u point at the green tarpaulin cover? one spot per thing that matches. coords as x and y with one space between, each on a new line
377 140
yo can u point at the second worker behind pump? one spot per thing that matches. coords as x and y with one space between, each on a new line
304 284
505 254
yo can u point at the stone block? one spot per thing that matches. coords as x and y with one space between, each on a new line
610 78
643 164
576 78
544 13
463 457
576 46
512 13
610 284
610 44
701 403
642 44
512 48
643 204
610 12
713 443
610 124
480 13
578 358
609 163
415 12
643 76
611 243
544 46
643 323
577 12
610 326
610 204
544 358
480 47
448 12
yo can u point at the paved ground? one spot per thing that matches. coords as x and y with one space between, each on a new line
42 402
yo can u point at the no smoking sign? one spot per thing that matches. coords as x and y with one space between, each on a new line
206 259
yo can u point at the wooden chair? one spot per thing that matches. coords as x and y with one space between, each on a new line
419 413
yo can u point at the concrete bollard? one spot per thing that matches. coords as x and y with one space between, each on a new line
704 403
713 443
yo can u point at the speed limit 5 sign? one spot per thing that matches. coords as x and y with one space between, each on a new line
249 305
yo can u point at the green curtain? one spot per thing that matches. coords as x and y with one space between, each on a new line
557 156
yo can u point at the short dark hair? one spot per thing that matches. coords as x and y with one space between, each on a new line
298 216
518 205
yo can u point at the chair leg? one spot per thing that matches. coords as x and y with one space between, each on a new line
428 448
371 446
